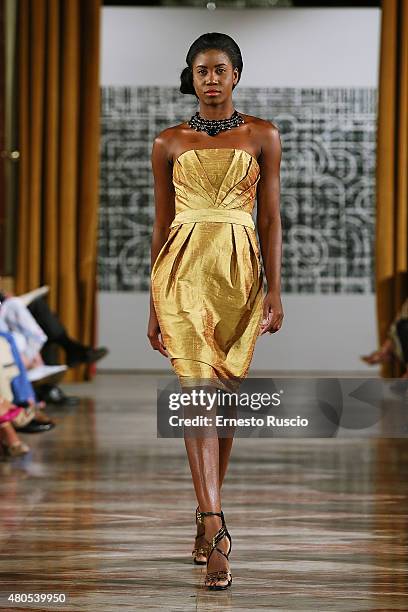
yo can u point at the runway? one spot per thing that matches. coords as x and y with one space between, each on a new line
101 510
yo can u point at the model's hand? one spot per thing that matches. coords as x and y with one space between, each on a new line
272 314
153 333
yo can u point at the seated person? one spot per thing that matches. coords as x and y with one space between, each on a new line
41 328
28 335
17 394
10 443
76 353
396 342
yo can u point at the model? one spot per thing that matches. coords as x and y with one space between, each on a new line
208 305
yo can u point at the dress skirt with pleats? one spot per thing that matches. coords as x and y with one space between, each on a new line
207 281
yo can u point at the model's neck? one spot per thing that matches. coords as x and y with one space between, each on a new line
216 112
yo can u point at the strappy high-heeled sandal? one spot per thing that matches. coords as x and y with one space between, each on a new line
218 574
199 550
16 448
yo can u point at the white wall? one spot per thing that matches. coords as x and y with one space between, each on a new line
281 48
319 333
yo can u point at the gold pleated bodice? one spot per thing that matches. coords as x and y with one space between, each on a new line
207 278
215 180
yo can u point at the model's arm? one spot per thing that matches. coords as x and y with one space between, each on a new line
269 226
164 215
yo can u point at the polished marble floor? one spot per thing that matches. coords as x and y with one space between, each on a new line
101 510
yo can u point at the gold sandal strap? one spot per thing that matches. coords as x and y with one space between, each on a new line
221 533
200 516
220 575
217 573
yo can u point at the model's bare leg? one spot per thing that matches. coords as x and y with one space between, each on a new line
204 460
203 456
225 443
224 453
224 450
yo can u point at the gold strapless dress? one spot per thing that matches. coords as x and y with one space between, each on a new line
207 281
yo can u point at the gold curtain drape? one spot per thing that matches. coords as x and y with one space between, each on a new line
58 117
391 251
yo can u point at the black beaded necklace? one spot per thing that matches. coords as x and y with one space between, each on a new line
213 126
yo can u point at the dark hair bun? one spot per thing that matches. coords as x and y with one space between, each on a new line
186 80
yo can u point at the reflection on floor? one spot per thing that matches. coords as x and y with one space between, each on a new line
102 511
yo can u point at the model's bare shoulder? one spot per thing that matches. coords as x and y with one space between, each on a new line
265 129
259 123
165 142
269 128
269 138
160 146
262 132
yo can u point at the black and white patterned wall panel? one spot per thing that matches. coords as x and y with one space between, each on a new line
327 182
